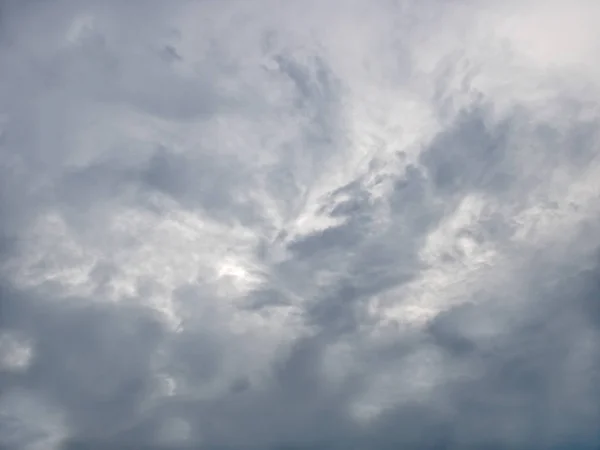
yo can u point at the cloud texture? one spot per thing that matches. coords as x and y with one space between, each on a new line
341 224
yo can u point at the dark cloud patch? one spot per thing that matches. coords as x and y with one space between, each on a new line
92 361
471 155
340 237
413 203
92 188
209 182
523 385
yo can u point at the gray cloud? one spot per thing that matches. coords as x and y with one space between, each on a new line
301 225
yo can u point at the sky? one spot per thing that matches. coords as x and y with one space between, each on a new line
294 225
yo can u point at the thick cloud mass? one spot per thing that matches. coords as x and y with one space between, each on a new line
299 224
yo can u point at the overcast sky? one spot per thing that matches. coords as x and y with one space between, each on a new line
285 224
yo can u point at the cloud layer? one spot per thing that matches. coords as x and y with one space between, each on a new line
269 225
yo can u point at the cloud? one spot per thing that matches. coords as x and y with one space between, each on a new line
299 225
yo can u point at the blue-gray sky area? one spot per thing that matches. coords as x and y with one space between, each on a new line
285 224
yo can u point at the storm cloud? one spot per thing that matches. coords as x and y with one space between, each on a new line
299 224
